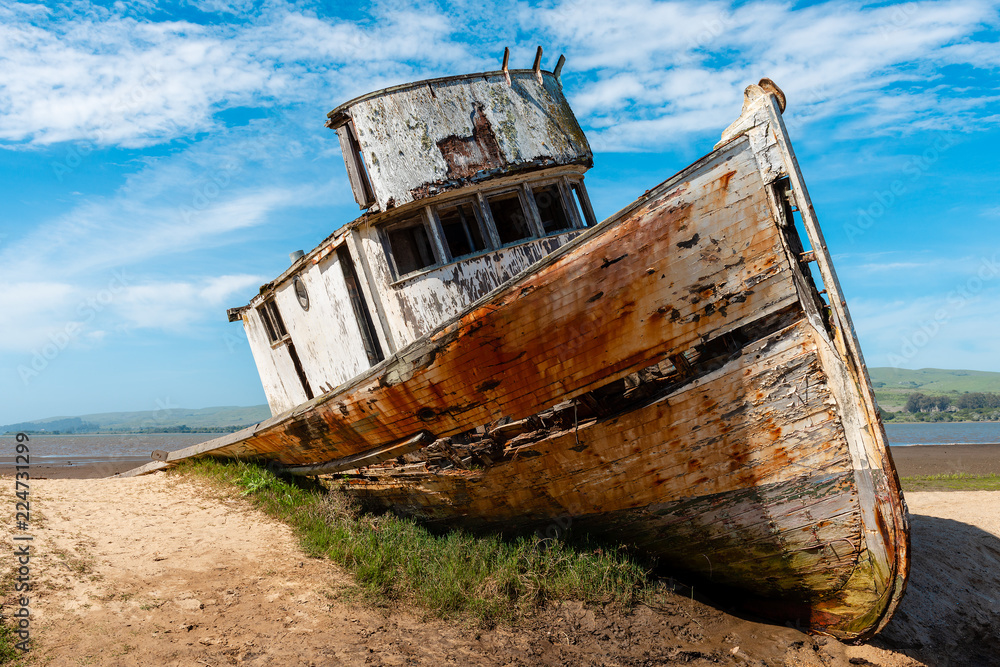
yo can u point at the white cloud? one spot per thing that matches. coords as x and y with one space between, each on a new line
33 311
896 267
176 306
669 69
100 235
60 316
120 80
979 54
643 73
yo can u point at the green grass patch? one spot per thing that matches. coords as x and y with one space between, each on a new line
958 481
455 573
933 380
10 655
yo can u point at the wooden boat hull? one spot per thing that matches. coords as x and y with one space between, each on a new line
742 477
751 455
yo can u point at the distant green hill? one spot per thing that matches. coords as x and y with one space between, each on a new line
225 418
893 385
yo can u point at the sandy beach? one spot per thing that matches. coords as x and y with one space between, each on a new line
161 570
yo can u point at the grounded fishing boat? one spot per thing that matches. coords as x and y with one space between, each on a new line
476 351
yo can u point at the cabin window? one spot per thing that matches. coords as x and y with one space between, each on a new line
462 232
549 203
508 217
410 245
273 323
583 204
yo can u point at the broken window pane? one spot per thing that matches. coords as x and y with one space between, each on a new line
550 208
273 323
266 320
411 247
279 325
509 218
461 230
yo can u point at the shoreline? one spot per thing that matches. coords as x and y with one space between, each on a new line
890 422
74 467
176 571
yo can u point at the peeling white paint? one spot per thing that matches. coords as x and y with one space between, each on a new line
420 140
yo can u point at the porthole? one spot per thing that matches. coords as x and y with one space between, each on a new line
300 292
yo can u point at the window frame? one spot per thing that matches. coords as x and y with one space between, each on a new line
571 215
274 323
577 192
477 213
577 210
354 160
527 207
415 219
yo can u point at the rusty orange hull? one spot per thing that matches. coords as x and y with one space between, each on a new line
671 379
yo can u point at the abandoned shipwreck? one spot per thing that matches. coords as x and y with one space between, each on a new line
477 350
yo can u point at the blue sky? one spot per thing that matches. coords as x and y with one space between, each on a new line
158 161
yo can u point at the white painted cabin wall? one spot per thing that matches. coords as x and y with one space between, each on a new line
327 337
336 349
277 372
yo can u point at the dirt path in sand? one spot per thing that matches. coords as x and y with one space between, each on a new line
155 571
160 571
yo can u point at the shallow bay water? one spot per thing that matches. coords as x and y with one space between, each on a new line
98 447
943 433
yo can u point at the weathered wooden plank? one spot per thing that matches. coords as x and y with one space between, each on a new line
151 467
369 458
